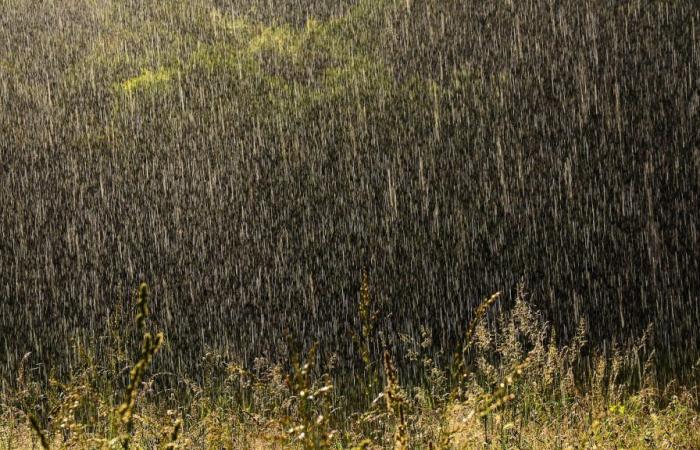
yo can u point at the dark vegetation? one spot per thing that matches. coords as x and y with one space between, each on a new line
250 162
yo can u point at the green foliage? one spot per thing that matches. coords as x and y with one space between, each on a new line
275 78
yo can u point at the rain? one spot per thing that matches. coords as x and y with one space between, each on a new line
249 161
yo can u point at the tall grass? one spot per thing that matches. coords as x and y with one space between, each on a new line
520 389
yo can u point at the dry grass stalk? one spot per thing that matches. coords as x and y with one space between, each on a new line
149 347
43 439
395 403
461 359
363 340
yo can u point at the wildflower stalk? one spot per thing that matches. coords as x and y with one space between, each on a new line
461 359
363 340
149 347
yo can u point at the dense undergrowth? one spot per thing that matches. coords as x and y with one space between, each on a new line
511 386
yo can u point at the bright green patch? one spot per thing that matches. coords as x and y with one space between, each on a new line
278 39
148 79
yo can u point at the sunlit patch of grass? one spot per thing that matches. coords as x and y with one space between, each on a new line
6 67
148 79
311 61
280 39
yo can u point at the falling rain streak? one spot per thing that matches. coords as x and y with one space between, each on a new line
249 163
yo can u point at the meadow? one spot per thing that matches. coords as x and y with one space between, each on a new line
319 196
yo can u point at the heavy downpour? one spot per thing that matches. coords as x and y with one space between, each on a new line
459 224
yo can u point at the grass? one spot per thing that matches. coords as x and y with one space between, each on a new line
514 386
